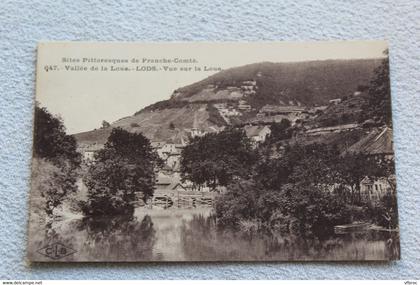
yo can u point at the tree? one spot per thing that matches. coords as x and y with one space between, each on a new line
239 203
313 164
354 167
171 126
55 162
105 124
217 159
299 188
280 131
124 167
380 94
51 141
315 210
295 185
385 212
310 207
272 173
384 167
50 184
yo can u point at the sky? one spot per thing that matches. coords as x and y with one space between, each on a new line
84 98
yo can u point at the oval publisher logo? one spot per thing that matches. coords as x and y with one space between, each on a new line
56 251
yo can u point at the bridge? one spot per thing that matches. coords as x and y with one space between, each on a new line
177 198
181 199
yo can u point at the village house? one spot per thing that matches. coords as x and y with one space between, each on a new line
257 134
163 182
157 145
236 94
183 187
249 87
165 149
249 83
170 153
335 101
171 183
232 88
316 109
332 129
243 105
174 162
286 110
88 151
375 189
274 113
196 132
379 144
226 110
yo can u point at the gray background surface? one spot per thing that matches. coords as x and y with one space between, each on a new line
24 23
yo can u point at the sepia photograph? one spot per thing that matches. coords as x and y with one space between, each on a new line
271 151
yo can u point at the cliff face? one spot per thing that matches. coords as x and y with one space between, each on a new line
257 93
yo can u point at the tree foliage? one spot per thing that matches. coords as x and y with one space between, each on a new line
125 166
51 141
379 91
217 159
55 162
280 131
105 124
239 203
313 164
354 167
296 190
50 184
385 212
295 185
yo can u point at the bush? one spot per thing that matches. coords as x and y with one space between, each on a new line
214 116
237 204
314 209
385 213
55 163
49 186
280 131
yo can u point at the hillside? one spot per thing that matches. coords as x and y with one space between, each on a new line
307 83
167 124
243 95
349 110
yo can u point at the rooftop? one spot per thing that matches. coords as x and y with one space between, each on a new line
282 109
252 131
376 142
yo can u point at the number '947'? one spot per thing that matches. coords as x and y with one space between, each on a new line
50 68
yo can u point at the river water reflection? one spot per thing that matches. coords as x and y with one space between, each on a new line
191 235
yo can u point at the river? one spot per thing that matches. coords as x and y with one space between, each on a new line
191 235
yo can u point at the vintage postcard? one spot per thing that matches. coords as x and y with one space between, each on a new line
213 152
